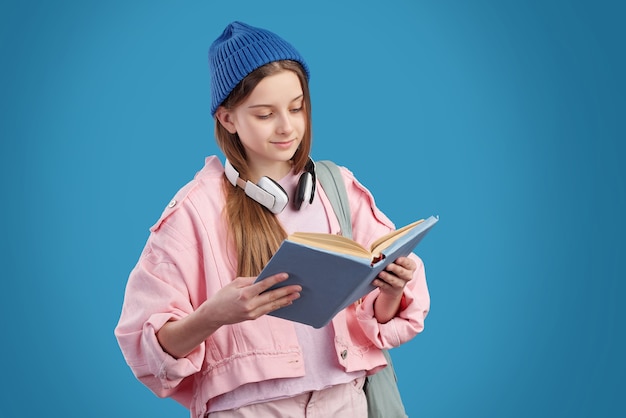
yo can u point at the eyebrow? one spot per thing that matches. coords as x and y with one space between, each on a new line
267 105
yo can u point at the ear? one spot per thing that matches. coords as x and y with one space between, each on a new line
225 117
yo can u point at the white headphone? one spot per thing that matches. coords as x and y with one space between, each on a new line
270 194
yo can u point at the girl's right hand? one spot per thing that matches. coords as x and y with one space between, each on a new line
241 300
244 300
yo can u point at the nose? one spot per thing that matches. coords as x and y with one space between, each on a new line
284 125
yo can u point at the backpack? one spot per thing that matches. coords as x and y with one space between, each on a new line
381 389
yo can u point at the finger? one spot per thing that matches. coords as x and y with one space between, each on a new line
389 280
395 280
400 271
279 296
407 263
274 300
282 297
240 282
281 293
397 270
270 281
380 283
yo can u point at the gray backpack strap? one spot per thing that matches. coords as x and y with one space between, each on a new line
329 176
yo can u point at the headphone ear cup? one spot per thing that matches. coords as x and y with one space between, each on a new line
272 187
304 190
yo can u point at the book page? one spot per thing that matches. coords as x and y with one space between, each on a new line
385 241
336 243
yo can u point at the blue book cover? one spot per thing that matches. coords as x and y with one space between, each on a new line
332 280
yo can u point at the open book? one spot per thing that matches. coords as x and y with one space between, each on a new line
335 271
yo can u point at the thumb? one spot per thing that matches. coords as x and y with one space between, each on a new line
244 281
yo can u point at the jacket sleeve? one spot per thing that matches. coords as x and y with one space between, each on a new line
369 223
157 291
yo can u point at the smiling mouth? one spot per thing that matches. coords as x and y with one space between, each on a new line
291 141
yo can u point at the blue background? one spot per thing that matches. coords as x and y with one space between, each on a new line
506 118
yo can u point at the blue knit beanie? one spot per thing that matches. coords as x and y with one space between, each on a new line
238 51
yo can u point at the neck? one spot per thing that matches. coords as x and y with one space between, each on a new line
274 170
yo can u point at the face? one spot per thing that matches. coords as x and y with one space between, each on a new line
270 123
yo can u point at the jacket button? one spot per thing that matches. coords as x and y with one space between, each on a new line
344 354
172 203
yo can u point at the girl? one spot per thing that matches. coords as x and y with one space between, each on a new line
193 325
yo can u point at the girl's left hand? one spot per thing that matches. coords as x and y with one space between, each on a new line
391 283
392 280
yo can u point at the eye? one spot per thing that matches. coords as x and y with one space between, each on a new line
296 110
264 117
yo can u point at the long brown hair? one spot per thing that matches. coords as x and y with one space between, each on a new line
256 233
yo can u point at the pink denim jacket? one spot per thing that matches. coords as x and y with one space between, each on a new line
185 261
